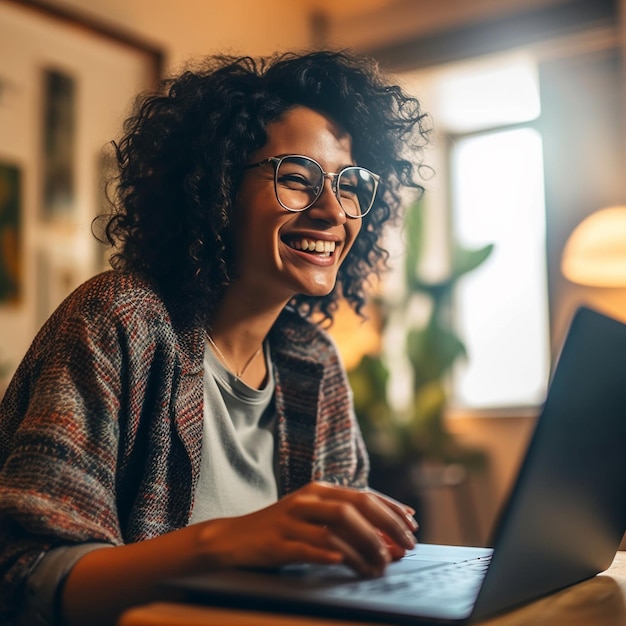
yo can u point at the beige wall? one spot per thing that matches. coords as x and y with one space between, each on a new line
188 28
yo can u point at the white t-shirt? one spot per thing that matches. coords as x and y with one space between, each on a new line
237 471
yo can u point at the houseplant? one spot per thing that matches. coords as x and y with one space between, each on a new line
402 442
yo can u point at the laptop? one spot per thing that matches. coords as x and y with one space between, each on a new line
563 522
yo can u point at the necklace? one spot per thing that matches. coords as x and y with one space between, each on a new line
219 353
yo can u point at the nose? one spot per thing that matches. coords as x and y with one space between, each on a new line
327 206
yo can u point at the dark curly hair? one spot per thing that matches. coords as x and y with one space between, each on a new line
182 154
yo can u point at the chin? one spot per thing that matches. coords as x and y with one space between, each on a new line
313 288
317 291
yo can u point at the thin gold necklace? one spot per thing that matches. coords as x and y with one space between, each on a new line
226 363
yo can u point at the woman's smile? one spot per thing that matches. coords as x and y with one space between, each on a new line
317 247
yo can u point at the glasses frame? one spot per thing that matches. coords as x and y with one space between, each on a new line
332 176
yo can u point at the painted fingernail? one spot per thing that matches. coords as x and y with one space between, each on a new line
411 520
409 539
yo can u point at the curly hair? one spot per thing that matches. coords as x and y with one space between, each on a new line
182 154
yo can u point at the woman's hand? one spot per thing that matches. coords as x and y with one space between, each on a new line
319 523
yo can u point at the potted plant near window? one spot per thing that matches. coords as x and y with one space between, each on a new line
405 444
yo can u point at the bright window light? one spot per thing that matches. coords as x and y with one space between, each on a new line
488 93
501 307
488 188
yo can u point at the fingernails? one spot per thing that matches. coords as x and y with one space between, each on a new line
409 540
411 520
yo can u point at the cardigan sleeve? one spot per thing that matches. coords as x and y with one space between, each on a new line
41 595
58 453
100 429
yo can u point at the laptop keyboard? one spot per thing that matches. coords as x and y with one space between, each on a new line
445 581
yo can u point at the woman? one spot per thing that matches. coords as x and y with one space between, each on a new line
184 412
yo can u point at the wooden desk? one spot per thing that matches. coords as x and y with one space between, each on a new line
600 601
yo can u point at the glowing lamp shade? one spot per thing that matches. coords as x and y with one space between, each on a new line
595 253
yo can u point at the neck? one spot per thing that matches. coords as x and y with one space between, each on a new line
237 332
238 371
242 321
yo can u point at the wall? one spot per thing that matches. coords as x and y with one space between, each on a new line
189 28
583 130
56 252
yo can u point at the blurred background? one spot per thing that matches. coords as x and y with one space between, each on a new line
523 219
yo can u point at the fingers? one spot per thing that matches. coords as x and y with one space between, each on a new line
308 542
319 523
384 513
270 537
363 547
395 551
311 543
370 529
390 517
399 507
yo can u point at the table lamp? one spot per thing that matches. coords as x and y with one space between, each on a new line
595 253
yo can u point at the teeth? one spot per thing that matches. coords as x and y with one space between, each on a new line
311 245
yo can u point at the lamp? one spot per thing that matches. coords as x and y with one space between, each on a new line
595 253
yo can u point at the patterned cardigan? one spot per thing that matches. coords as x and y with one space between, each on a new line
100 429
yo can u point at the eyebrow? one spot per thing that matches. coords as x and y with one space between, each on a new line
341 167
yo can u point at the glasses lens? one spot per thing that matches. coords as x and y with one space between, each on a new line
299 181
356 187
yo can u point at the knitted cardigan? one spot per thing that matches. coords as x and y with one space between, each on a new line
101 426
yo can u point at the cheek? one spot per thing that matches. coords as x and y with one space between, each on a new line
354 228
256 218
258 240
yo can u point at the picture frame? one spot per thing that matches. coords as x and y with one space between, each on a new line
66 81
11 261
58 144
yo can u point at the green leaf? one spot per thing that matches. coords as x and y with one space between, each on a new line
428 403
368 381
465 260
432 351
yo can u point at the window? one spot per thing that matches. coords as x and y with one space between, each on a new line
489 189
501 307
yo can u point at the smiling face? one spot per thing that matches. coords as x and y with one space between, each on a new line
282 254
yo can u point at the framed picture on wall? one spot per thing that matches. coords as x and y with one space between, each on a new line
65 83
10 233
58 144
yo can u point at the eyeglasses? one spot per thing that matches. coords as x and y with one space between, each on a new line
299 182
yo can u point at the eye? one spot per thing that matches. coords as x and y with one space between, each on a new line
348 189
295 181
348 184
